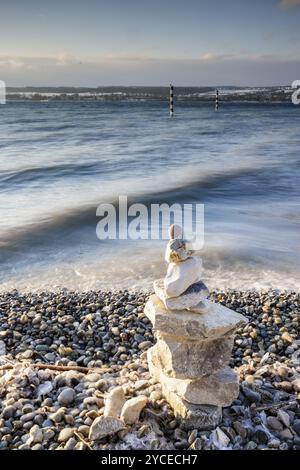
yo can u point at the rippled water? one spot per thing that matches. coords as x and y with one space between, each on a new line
59 160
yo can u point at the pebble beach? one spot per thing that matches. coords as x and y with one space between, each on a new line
62 352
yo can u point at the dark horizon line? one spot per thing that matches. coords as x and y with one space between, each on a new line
140 86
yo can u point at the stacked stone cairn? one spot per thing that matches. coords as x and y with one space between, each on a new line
194 340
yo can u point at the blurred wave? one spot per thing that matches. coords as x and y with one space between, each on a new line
59 161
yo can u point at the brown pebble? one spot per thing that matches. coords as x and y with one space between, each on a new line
296 385
282 372
250 379
286 337
285 385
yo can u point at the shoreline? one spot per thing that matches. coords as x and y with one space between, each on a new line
144 291
110 336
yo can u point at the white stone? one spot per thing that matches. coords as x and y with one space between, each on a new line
182 275
189 298
218 321
219 389
105 426
35 435
132 409
114 402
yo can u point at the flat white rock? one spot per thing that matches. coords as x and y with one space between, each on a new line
217 321
189 298
182 275
105 426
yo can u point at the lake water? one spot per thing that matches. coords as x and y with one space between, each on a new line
60 160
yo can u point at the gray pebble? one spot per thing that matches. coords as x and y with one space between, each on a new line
252 396
8 412
66 397
274 423
296 426
70 445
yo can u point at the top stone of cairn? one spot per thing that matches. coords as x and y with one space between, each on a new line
182 286
175 231
176 249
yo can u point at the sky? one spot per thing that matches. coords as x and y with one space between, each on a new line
139 42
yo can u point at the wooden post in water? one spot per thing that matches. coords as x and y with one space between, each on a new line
217 100
171 100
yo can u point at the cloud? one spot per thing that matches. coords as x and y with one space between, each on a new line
208 56
121 60
65 59
207 69
11 62
243 56
285 4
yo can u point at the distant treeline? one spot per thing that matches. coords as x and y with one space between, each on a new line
155 90
227 94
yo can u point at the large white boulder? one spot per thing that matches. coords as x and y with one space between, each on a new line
183 358
218 389
217 321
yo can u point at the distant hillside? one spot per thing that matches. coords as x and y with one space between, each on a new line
112 93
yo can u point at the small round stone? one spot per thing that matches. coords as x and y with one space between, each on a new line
65 434
66 397
8 412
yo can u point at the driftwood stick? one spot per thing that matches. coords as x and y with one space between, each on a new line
276 405
84 370
82 440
